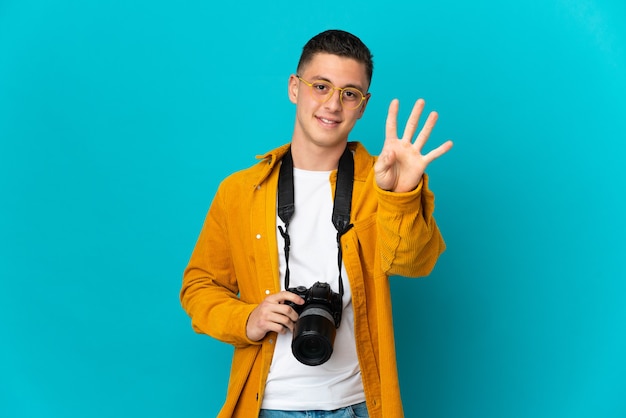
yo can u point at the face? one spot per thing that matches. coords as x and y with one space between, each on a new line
326 125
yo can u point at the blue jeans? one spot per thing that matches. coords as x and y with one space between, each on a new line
355 411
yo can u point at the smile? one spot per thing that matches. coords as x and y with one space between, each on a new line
328 122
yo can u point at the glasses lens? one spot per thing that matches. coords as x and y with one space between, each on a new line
351 97
321 90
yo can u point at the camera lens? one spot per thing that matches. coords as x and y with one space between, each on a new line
313 336
312 347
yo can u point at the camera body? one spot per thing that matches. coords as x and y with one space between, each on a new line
319 294
315 329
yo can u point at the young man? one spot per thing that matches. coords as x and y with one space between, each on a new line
259 239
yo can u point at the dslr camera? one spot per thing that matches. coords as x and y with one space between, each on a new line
315 329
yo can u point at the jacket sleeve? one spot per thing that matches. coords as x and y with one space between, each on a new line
409 241
210 290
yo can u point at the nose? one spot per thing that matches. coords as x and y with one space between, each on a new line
334 101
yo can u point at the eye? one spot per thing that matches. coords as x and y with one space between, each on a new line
320 87
351 94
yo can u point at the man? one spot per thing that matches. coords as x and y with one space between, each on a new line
249 251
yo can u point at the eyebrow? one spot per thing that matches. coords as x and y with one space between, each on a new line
356 86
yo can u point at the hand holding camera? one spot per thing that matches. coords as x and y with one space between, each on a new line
274 314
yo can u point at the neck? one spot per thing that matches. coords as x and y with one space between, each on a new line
316 158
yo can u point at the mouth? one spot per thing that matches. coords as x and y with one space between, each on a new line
327 122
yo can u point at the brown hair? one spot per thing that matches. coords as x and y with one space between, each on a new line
341 43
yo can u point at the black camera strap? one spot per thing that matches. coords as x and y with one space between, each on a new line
341 205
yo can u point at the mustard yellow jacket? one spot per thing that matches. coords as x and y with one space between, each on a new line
234 266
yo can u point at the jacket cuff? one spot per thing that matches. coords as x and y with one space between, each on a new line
242 316
397 200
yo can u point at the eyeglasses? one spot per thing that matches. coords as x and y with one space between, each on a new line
350 97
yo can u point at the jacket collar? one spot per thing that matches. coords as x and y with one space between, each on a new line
363 161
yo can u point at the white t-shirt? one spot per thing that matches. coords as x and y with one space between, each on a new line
336 383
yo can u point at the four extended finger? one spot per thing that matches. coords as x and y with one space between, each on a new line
422 137
438 152
413 121
391 126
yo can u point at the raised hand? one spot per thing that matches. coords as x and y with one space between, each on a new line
401 165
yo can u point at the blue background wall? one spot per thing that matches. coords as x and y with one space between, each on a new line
119 118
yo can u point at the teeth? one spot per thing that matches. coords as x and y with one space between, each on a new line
327 120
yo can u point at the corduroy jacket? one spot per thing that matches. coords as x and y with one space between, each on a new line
234 266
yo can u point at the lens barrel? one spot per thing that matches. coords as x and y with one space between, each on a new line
314 335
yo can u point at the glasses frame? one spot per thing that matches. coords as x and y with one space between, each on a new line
329 95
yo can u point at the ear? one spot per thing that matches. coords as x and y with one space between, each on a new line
364 105
292 88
